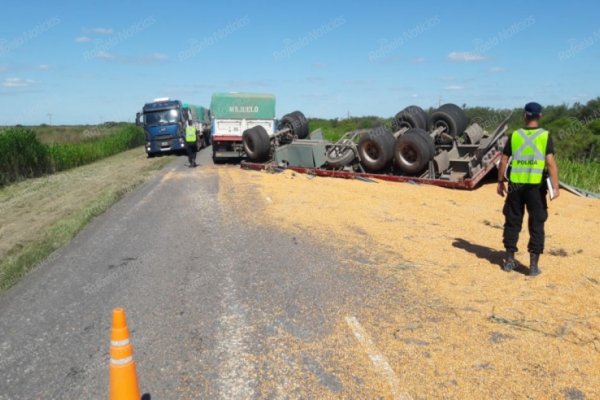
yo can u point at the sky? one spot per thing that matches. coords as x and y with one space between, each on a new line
93 62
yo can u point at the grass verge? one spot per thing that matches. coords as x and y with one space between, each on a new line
76 197
584 175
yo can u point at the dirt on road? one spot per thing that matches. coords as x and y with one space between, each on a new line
458 326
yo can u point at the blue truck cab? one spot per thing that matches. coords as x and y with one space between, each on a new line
164 123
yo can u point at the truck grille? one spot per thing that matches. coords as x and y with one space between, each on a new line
163 137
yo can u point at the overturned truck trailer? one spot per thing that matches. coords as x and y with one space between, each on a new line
441 149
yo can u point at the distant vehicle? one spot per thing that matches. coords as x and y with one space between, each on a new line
164 123
233 114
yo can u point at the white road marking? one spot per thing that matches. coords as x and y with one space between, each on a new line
236 372
378 359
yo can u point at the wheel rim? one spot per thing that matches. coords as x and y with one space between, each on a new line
408 155
371 152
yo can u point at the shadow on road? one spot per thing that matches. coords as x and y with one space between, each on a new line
495 257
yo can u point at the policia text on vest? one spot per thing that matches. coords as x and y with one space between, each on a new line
528 155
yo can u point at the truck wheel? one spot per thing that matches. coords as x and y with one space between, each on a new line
339 157
411 117
296 122
303 129
376 149
413 151
256 143
452 118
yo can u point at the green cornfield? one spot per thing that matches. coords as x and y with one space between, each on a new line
23 155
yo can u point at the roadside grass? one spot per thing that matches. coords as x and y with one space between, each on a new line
76 197
584 175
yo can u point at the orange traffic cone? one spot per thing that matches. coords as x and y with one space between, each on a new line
123 383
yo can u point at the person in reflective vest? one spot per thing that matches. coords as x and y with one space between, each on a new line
191 145
530 151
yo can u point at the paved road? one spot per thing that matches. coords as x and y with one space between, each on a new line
217 309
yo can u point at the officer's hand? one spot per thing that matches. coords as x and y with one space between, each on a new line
556 193
501 189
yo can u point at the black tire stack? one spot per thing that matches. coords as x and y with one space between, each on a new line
297 123
415 147
411 117
375 149
452 118
413 150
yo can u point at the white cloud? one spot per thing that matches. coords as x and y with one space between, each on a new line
496 70
3 69
43 67
83 39
105 55
465 56
17 83
419 60
100 31
454 87
158 56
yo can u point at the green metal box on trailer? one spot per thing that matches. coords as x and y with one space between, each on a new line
250 106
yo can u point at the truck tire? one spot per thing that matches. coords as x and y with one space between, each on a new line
376 149
411 117
257 144
296 122
413 150
452 118
303 129
339 159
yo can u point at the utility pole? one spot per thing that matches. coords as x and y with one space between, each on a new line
49 118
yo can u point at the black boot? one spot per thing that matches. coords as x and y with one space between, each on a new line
534 269
509 263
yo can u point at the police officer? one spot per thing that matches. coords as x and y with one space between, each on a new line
190 141
532 153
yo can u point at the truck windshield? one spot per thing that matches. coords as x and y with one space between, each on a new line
161 117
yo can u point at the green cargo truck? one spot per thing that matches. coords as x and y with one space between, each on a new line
235 113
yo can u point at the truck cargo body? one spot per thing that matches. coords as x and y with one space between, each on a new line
234 113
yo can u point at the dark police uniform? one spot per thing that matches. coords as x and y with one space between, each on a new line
527 187
190 139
